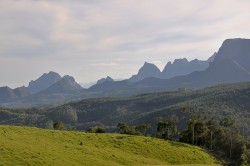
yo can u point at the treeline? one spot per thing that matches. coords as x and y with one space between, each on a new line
221 138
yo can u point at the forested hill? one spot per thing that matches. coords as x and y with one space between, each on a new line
213 102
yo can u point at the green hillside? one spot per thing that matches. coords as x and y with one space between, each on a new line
214 102
33 146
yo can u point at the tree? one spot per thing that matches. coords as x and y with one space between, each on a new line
173 125
229 122
142 128
212 127
192 120
59 125
195 132
126 129
167 127
163 127
96 129
133 130
123 127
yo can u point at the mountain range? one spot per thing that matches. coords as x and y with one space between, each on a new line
43 82
230 64
177 68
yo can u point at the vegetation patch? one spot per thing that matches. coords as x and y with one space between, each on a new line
33 146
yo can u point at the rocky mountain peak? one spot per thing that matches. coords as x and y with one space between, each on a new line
43 82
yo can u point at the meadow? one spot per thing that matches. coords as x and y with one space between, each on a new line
34 146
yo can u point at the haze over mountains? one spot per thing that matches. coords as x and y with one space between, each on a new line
229 65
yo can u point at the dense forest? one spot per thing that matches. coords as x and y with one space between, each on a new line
213 102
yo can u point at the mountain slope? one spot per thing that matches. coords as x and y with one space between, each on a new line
183 67
223 72
147 70
215 102
66 84
104 80
237 50
230 65
224 69
32 146
21 91
43 82
8 94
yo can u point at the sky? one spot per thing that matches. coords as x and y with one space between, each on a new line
92 39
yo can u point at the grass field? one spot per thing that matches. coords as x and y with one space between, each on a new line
33 146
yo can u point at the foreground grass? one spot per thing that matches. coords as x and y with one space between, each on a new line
33 146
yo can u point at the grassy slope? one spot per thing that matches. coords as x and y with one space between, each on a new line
33 146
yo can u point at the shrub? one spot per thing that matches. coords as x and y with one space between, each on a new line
96 129
59 125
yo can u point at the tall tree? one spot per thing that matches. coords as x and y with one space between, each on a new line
212 127
229 122
168 127
193 118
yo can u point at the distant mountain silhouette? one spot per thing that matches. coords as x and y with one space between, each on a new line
182 67
7 94
108 78
211 59
65 85
229 65
177 68
21 91
236 49
147 70
110 86
226 68
43 82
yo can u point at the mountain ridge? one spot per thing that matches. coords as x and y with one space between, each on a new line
230 64
43 82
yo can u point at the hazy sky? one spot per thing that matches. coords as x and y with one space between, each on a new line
90 39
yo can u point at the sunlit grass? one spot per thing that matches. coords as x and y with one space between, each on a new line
33 146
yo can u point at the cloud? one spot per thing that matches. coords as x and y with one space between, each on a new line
105 64
71 37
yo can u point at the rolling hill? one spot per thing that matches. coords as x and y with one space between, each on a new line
33 146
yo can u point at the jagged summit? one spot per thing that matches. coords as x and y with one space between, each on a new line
182 67
66 85
147 70
108 78
43 82
229 65
181 60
